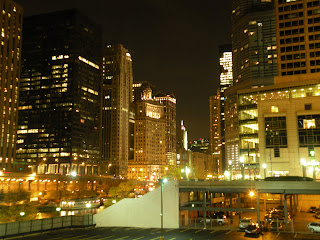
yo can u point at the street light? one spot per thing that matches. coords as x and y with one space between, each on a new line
161 208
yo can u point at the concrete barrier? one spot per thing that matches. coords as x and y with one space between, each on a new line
46 224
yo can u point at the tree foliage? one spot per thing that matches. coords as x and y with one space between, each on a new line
122 190
14 203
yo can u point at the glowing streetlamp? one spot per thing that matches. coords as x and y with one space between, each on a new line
161 207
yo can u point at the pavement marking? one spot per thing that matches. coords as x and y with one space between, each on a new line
156 229
121 238
168 230
138 238
172 238
107 237
278 234
213 231
93 236
154 238
75 237
141 229
229 231
185 230
295 236
64 236
198 231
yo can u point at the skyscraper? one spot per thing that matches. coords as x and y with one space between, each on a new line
59 113
253 42
217 105
254 64
215 130
116 99
149 139
169 102
298 35
10 61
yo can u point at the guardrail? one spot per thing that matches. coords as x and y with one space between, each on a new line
45 224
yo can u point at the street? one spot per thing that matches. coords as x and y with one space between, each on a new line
153 234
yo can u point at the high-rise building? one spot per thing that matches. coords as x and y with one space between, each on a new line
10 62
215 130
170 112
217 104
254 64
254 42
59 112
298 35
116 100
149 139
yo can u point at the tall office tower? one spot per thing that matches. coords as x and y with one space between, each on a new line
298 34
254 64
116 100
226 81
170 111
59 113
215 130
10 59
253 42
149 139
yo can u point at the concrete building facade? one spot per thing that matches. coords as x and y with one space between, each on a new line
170 112
116 101
149 160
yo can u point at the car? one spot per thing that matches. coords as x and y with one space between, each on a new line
253 228
244 223
276 226
216 219
314 227
317 215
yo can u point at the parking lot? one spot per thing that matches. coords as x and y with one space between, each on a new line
298 223
153 234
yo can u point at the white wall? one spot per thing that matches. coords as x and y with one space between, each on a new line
143 212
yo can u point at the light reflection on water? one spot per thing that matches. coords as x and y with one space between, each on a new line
69 212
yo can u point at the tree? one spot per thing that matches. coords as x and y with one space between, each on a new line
17 207
122 190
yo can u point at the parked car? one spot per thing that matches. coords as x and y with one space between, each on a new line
216 219
245 222
253 228
276 226
314 227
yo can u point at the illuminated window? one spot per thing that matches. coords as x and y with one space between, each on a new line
274 109
309 123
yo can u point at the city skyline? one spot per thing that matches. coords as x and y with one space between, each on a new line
173 45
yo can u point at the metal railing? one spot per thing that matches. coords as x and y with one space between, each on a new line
45 224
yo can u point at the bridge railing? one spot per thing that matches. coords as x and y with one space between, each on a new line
46 224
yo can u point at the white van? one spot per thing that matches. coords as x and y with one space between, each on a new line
314 227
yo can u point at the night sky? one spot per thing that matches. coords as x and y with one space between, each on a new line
173 43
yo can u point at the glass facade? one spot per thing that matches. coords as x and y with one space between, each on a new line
59 113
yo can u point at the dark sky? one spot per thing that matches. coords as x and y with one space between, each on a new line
173 43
